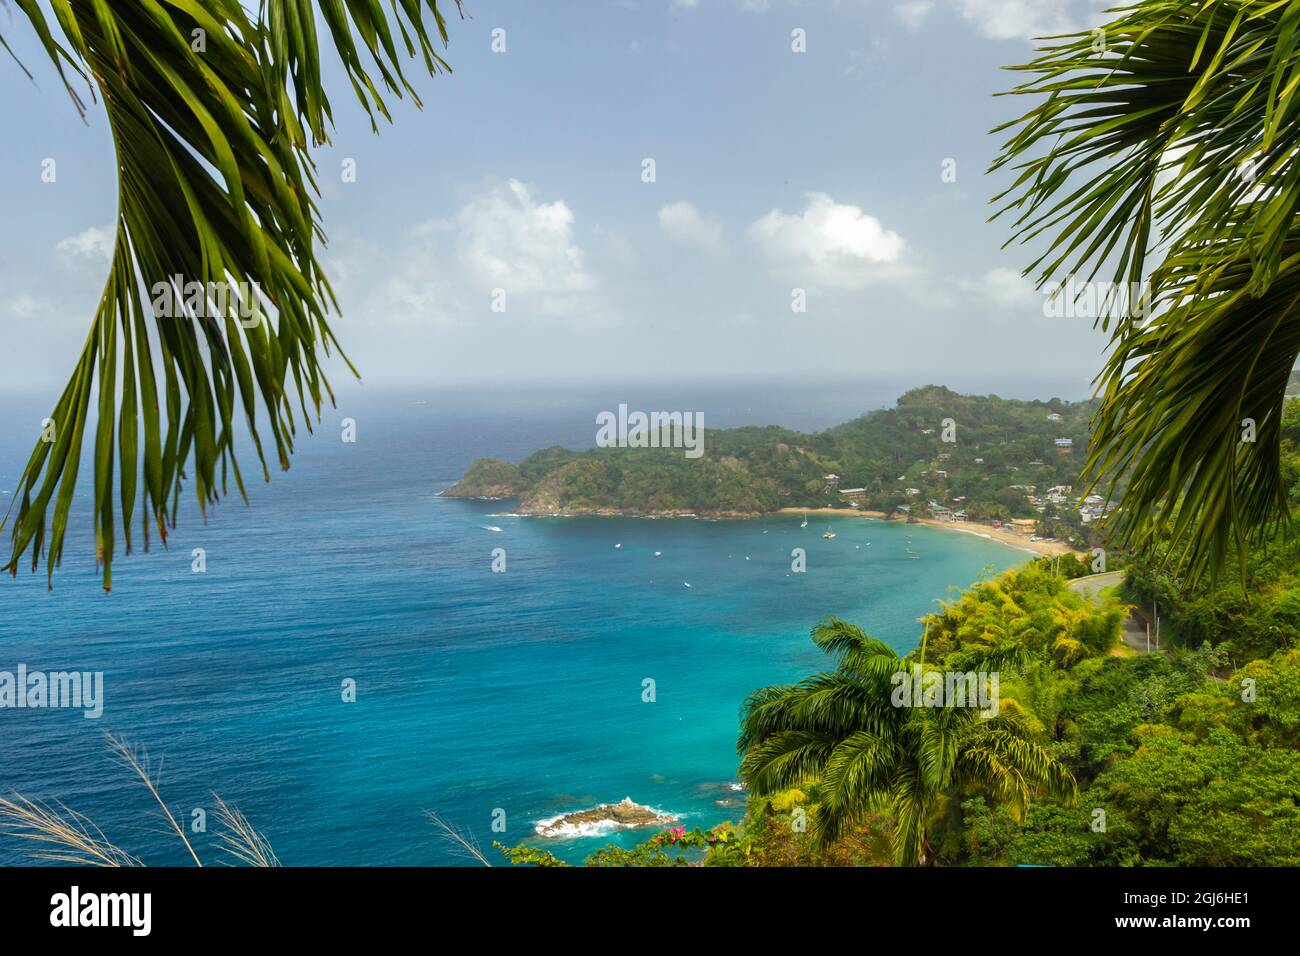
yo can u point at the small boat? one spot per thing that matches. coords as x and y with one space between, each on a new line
619 545
657 553
912 554
829 534
804 523
490 527
687 583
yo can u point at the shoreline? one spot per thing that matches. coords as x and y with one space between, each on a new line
989 533
1009 538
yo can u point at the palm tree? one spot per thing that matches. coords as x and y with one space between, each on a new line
213 110
841 731
1161 152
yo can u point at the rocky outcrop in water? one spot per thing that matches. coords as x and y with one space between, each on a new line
608 816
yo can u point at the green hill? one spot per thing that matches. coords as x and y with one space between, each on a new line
983 454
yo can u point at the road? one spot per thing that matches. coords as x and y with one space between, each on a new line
1135 626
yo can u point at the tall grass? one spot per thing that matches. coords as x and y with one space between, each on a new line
66 836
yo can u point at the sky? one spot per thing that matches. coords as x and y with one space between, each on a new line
853 171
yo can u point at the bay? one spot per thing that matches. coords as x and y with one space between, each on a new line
477 692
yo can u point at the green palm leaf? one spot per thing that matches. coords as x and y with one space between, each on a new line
1161 156
212 113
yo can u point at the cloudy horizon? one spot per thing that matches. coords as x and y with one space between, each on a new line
663 189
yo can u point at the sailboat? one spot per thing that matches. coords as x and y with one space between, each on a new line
829 534
804 523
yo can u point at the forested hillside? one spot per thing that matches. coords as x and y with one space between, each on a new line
983 454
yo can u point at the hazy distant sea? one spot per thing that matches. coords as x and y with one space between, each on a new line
475 691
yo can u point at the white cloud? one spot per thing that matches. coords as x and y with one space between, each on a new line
1006 290
415 297
861 61
745 6
682 222
501 239
835 244
23 306
912 13
509 241
93 243
613 248
1019 19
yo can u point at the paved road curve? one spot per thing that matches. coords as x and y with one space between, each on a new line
1135 626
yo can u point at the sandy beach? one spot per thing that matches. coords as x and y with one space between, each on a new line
981 530
849 512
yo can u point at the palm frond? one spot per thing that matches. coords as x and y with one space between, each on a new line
912 802
1162 152
857 779
215 307
786 759
828 702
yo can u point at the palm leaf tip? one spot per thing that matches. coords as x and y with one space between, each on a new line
216 186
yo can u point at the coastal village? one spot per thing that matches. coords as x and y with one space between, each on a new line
1061 515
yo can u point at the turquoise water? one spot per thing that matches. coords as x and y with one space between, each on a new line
476 691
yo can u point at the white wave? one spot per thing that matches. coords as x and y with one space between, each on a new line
553 828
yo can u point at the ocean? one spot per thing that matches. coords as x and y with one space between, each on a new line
511 697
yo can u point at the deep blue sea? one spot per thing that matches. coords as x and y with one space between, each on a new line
476 691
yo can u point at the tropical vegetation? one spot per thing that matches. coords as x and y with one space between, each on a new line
1159 152
1176 757
845 732
1000 449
